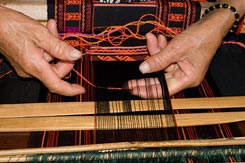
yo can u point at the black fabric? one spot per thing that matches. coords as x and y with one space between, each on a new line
14 89
228 68
51 9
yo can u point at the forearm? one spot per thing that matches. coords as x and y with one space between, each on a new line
215 25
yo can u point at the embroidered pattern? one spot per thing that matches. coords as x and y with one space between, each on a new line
122 1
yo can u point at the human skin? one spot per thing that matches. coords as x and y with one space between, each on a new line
30 47
186 58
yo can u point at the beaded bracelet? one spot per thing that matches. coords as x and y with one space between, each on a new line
225 6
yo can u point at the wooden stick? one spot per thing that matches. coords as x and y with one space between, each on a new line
86 108
21 154
36 9
65 123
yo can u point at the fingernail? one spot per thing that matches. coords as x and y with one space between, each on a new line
144 68
75 54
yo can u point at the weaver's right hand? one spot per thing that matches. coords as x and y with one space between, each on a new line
29 47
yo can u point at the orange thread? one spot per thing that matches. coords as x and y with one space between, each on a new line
93 85
5 74
234 43
116 35
122 32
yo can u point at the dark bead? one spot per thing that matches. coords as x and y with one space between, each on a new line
217 6
211 8
225 5
233 9
206 11
237 15
233 29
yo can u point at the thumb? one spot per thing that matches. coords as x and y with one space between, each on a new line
155 47
155 44
156 62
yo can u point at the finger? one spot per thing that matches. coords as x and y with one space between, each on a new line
168 75
48 75
45 72
155 44
46 56
152 43
145 88
174 85
171 68
51 25
152 63
177 81
171 53
131 84
62 68
155 63
162 41
144 92
141 82
52 81
163 59
141 89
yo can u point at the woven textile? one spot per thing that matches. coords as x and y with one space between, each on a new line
86 15
92 17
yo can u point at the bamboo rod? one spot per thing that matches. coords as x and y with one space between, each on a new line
66 123
86 108
21 154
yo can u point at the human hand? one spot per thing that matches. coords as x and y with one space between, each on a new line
185 60
30 47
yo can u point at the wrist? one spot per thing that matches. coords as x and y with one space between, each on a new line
238 4
226 7
222 17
